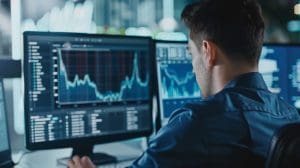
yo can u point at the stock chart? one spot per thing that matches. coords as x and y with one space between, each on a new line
101 76
176 80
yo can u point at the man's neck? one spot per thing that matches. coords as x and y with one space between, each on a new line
222 75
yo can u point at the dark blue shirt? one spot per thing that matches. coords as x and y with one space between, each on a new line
233 128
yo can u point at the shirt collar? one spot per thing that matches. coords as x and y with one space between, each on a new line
248 80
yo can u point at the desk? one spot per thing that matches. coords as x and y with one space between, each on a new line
48 158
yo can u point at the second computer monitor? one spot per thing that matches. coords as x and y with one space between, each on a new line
176 81
280 67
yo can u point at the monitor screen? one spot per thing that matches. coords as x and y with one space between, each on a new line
176 81
280 67
83 88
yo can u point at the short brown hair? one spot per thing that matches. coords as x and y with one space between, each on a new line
236 26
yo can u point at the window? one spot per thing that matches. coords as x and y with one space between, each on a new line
5 29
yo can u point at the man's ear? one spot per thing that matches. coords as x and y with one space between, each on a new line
210 51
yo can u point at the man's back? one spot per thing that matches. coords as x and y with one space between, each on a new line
232 128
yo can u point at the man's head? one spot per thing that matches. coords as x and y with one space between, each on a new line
223 32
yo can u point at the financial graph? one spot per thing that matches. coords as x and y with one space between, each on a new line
178 86
87 76
178 81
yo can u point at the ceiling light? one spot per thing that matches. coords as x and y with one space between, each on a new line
297 9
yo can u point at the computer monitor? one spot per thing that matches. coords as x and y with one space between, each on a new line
280 67
176 81
86 89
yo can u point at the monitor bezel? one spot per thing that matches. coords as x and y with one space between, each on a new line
282 44
158 97
5 156
98 139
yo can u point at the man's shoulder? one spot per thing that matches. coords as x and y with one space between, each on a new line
234 100
202 108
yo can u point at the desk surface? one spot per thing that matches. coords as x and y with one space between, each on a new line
48 158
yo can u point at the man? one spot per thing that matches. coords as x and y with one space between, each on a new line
232 126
